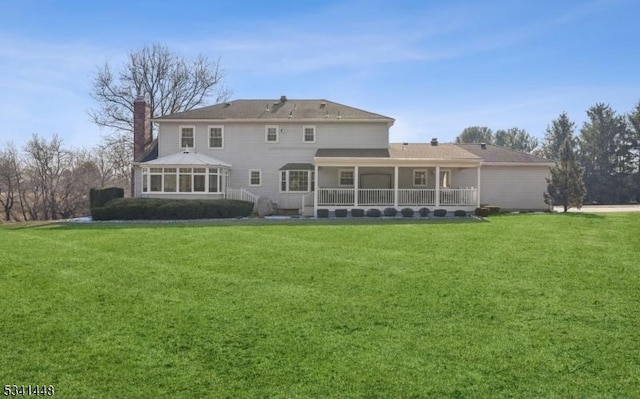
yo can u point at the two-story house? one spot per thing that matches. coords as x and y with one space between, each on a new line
310 154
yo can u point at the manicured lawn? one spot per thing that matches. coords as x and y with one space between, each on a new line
526 306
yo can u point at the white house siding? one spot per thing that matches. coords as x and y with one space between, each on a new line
245 149
509 187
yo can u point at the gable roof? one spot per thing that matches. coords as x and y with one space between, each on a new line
498 154
352 153
282 109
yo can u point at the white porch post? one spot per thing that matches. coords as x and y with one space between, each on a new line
478 191
437 186
355 186
315 191
395 186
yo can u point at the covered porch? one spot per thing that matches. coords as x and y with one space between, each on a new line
400 182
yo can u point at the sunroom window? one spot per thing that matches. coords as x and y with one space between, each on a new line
182 180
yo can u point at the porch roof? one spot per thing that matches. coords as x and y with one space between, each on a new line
352 153
297 166
187 158
428 151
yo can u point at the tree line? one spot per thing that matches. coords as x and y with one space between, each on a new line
600 164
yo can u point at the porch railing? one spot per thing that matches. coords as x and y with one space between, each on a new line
241 194
458 196
386 197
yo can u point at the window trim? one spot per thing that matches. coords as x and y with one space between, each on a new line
266 134
353 177
310 181
426 178
193 128
304 133
259 177
221 127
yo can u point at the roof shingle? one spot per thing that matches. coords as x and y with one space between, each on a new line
496 153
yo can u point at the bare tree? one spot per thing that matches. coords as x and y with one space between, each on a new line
170 82
78 177
46 161
10 178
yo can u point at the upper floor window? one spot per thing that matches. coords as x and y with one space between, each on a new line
271 134
216 137
309 134
187 136
419 178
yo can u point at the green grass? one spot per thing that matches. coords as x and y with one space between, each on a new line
526 306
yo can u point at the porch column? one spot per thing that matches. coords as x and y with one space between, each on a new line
315 191
437 186
478 191
395 186
355 186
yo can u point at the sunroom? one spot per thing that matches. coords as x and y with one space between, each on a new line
184 175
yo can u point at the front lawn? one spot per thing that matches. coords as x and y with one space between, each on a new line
526 306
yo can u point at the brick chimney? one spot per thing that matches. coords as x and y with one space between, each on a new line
141 127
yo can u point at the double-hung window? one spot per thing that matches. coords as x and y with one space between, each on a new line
216 137
271 134
187 136
419 178
255 177
345 177
308 134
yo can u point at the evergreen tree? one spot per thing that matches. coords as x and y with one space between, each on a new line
634 138
566 186
605 155
559 130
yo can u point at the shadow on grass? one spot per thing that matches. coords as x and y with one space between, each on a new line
152 224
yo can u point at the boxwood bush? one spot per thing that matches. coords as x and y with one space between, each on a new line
460 213
341 213
98 197
440 213
322 213
357 213
374 213
482 212
170 209
390 211
424 212
407 212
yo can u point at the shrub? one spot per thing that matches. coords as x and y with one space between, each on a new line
98 197
407 212
460 213
390 211
482 212
492 208
424 212
323 213
341 213
374 213
357 213
440 213
156 208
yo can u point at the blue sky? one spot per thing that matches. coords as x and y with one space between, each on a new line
435 66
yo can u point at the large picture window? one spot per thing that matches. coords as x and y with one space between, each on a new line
296 180
182 180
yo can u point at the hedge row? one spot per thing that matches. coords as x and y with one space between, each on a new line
390 212
170 209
